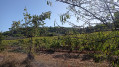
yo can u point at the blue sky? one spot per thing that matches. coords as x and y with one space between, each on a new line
12 10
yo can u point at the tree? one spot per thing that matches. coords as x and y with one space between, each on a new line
1 37
116 17
2 46
90 10
35 21
15 27
31 26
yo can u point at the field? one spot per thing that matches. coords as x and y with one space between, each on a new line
99 49
59 33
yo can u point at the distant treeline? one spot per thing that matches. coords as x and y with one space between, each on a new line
54 31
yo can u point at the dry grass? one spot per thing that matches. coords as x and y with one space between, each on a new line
47 60
62 60
11 59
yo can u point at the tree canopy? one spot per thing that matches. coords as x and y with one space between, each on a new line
90 10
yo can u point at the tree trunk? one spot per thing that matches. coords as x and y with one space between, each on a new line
30 55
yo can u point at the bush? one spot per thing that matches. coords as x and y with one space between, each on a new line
1 38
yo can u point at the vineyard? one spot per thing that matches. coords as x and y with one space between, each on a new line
99 45
59 33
